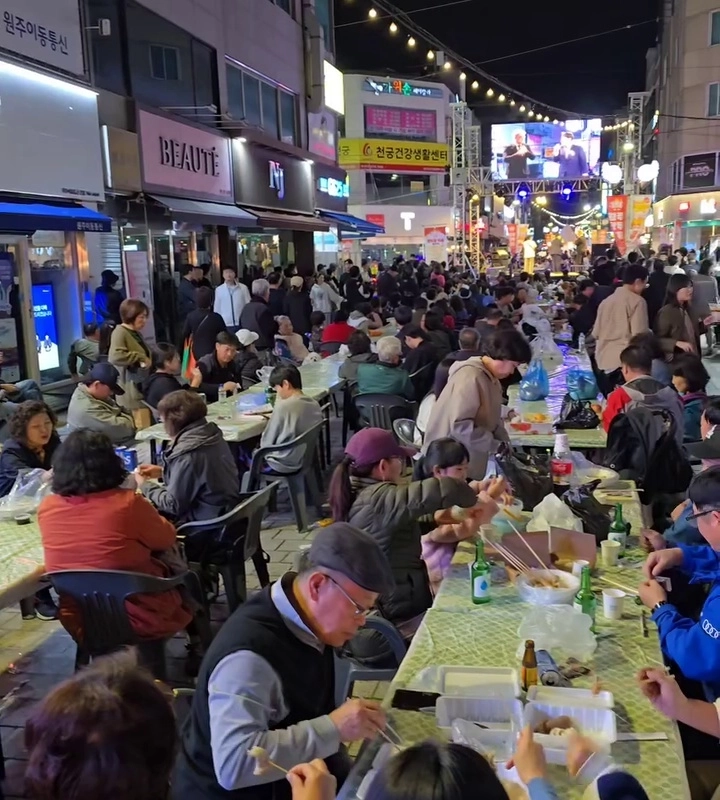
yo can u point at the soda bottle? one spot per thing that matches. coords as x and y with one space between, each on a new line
529 667
561 465
585 601
480 575
618 529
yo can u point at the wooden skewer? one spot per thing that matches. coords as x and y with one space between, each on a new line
618 585
527 544
393 731
277 766
514 560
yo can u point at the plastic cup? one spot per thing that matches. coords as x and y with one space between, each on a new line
610 552
578 565
613 602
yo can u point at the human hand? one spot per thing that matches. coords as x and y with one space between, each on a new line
358 719
580 749
10 388
651 593
652 540
495 487
662 691
196 378
686 346
662 560
149 471
529 757
312 781
229 386
139 479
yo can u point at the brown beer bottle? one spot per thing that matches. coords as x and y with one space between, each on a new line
529 668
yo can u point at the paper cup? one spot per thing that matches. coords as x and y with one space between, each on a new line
613 602
577 567
610 552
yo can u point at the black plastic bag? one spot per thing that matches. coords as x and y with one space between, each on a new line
528 475
577 414
594 515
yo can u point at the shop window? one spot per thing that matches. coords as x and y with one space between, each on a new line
269 108
234 79
286 5
288 117
714 100
164 63
324 15
714 28
108 68
251 93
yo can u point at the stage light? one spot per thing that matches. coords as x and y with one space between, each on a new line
628 147
490 93
501 98
372 13
447 65
463 76
475 85
541 200
587 207
566 191
522 192
430 55
393 27
522 108
516 202
648 172
531 114
611 173
411 41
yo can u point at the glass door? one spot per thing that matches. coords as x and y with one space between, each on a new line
17 332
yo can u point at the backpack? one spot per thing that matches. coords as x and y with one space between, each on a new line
642 446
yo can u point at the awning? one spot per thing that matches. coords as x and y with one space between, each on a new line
354 224
289 222
201 212
31 217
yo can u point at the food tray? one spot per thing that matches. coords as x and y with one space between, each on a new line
531 428
502 682
597 723
500 714
498 746
569 696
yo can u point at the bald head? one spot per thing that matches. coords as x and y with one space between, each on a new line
469 339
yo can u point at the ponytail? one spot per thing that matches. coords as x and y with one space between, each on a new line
340 493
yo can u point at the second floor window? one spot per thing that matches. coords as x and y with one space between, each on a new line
164 63
262 104
714 100
714 28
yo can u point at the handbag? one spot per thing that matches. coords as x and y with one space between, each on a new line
577 415
142 418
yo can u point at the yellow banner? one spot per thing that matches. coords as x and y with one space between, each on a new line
390 155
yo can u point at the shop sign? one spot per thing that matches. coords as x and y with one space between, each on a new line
699 171
184 159
617 214
435 237
403 88
121 156
392 155
333 187
270 179
376 219
708 206
48 32
322 134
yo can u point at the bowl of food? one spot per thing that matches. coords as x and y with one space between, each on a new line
547 587
607 477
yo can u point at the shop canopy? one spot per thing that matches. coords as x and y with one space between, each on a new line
200 212
30 217
288 222
353 224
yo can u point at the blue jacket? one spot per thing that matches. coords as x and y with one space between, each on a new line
682 531
695 646
693 405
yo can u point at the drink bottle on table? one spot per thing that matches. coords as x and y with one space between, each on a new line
618 529
561 465
585 601
529 666
480 575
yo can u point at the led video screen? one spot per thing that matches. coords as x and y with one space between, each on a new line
535 150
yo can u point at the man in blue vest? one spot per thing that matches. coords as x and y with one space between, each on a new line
268 678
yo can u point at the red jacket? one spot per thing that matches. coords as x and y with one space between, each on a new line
115 529
337 332
616 402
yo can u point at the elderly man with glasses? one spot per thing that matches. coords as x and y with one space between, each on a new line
268 678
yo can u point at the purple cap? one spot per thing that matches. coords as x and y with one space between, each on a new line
371 445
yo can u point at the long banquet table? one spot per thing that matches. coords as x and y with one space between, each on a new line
455 632
21 560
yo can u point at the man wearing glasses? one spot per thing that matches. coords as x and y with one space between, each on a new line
268 678
693 646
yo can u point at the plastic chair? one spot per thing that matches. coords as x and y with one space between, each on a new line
100 597
408 433
226 543
381 410
347 670
260 473
329 348
246 383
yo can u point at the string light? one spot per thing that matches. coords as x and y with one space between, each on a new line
393 27
447 65
512 102
531 114
411 41
430 55
546 119
372 13
501 98
521 109
475 85
489 93
463 76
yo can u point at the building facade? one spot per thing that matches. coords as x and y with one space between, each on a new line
395 149
683 123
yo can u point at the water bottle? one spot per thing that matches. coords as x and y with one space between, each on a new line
581 343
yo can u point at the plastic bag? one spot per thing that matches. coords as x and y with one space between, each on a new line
577 415
558 629
30 487
545 349
551 512
581 384
594 515
529 475
536 384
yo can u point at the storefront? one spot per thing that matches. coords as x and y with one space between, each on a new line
691 220
408 231
52 182
185 209
279 191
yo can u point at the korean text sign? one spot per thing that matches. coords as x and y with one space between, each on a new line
391 155
617 215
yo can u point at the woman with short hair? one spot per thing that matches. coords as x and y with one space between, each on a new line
32 443
129 353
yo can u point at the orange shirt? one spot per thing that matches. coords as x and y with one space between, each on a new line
115 529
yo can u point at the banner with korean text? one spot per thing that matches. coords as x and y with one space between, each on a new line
617 205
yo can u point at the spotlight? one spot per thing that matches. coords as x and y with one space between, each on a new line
531 114
587 207
372 13
541 200
546 119
522 192
393 27
566 191
555 122
411 41
463 76
628 147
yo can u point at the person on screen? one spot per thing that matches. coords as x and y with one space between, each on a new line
517 156
571 157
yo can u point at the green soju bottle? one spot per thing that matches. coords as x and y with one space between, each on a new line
618 529
585 600
480 575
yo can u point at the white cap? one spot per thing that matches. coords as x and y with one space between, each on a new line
246 337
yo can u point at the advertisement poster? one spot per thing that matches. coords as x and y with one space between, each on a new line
8 330
46 338
385 121
640 207
137 282
617 215
512 235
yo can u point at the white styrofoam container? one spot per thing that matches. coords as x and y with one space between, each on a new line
498 712
569 696
597 723
510 776
479 682
497 746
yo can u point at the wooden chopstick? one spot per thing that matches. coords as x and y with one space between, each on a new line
527 544
618 585
394 732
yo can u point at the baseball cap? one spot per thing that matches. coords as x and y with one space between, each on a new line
246 337
708 448
353 553
297 281
104 373
371 445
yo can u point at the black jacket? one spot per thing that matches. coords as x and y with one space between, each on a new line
16 456
276 301
186 298
425 358
257 317
355 292
443 342
157 385
387 285
203 325
248 363
655 294
214 375
298 307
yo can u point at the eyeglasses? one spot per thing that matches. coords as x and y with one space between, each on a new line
359 610
697 515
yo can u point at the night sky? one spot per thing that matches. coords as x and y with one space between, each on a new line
590 77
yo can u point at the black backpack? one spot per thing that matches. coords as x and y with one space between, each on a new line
642 446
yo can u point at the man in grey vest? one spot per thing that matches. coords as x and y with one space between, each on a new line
268 678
